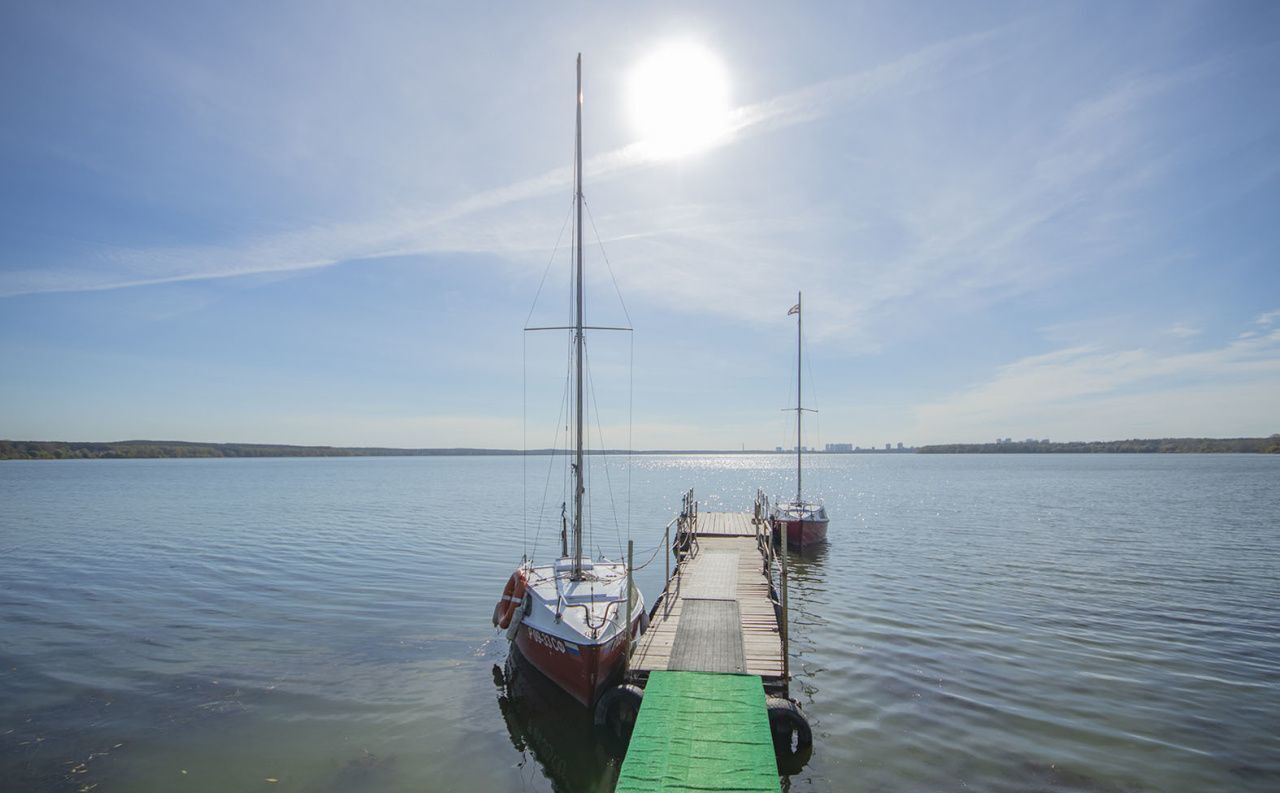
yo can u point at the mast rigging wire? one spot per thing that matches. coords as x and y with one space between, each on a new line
524 394
631 362
555 448
813 400
605 256
617 530
573 222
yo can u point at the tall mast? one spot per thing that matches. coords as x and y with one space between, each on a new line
579 487
799 403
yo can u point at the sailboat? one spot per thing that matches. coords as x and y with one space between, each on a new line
573 619
803 523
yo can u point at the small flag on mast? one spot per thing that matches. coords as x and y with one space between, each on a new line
794 310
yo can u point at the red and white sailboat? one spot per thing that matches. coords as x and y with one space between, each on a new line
572 619
803 523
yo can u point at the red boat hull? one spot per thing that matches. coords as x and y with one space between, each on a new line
584 671
802 533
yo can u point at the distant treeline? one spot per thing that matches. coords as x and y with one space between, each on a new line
119 450
1269 445
61 450
123 450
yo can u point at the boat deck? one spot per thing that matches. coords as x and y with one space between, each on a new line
718 613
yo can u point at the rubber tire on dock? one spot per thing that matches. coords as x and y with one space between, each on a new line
792 736
616 713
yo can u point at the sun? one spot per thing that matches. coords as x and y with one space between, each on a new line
679 99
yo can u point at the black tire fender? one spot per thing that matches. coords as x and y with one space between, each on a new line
617 709
787 721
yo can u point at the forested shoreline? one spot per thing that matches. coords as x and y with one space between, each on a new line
143 449
65 450
1269 445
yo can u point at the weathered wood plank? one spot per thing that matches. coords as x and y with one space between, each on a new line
721 535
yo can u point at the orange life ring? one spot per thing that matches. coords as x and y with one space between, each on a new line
512 597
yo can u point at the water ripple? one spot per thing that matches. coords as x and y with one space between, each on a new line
998 623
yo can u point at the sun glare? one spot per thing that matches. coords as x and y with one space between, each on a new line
679 98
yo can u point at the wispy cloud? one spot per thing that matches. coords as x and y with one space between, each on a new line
422 231
972 228
1088 392
1181 331
816 101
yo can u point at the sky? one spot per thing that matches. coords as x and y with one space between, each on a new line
325 223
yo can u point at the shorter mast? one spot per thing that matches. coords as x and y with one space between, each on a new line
799 403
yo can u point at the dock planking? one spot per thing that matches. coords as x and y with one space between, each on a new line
727 565
724 524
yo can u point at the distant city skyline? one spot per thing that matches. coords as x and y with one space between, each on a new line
1008 221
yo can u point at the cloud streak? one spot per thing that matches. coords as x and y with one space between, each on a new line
1090 392
427 231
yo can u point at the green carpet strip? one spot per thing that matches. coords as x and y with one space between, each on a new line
699 731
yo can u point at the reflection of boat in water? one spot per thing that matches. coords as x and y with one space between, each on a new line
575 618
805 561
548 724
803 523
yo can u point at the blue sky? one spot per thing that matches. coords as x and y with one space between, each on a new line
326 223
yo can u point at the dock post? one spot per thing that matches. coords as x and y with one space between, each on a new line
786 628
666 554
626 667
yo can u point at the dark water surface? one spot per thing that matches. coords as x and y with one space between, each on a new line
994 623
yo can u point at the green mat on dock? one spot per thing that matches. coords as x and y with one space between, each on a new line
700 731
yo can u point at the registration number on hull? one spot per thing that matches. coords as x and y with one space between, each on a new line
553 643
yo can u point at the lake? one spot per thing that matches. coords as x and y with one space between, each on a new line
988 622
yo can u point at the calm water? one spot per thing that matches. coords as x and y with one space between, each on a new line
996 623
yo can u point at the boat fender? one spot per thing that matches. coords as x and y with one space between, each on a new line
518 616
512 596
617 708
644 621
791 732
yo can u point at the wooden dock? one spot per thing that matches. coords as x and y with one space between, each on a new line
720 610
715 712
